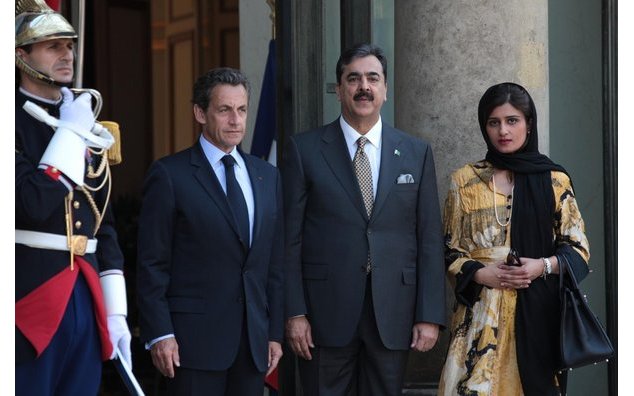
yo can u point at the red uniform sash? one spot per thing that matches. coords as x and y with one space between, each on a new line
39 313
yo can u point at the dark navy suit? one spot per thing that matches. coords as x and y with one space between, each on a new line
196 279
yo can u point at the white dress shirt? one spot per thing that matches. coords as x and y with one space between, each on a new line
214 156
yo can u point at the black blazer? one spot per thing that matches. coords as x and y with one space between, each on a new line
328 235
195 277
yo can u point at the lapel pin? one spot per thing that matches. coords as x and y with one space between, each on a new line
397 153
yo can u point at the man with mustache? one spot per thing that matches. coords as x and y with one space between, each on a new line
364 250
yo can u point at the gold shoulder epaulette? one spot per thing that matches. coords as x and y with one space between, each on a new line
114 152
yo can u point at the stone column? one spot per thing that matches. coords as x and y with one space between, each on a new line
447 53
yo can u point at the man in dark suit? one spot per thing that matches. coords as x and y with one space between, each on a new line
365 271
210 253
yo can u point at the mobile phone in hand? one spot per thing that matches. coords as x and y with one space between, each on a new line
513 258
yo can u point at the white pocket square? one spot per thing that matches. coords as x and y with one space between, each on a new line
405 179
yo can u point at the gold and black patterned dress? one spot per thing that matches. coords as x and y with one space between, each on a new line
482 358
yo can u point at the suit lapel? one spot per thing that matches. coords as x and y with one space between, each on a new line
390 166
337 157
257 180
209 182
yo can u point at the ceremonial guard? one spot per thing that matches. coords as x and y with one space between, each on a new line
70 310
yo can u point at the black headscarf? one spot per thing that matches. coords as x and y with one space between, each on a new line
537 308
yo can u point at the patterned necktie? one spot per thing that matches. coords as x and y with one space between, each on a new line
364 174
236 199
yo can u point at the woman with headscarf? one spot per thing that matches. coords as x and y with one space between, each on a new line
505 326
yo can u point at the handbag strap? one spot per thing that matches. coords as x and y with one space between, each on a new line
564 267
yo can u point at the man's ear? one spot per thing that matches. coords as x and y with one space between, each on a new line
338 91
19 52
199 114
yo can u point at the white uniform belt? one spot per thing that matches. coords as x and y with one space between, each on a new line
45 240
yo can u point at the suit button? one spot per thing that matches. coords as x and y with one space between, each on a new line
78 224
76 204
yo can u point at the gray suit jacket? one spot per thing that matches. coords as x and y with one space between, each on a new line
328 234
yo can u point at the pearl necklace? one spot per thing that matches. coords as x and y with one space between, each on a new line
509 206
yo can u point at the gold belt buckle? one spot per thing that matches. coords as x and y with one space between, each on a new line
79 243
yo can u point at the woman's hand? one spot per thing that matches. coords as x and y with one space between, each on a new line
490 276
502 276
518 277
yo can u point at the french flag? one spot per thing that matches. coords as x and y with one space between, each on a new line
264 145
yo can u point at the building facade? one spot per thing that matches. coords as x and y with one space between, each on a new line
143 55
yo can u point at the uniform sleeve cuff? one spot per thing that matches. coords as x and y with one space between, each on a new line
56 175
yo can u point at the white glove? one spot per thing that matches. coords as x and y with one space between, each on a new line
67 152
76 129
76 114
114 296
120 337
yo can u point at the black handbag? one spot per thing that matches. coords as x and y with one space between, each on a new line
583 338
